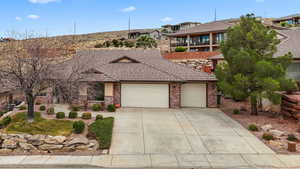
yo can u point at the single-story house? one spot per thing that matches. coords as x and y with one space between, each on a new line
290 40
153 33
140 78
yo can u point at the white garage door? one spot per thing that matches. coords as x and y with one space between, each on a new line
145 95
193 95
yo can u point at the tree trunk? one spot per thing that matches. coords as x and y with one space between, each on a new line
30 112
254 106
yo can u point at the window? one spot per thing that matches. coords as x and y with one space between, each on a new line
294 71
219 37
96 91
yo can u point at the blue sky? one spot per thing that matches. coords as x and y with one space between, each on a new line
57 16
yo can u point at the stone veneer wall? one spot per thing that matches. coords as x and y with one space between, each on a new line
117 93
175 94
212 92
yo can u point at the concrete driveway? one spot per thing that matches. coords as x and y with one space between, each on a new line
182 131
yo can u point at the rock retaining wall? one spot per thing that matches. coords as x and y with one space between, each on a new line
23 143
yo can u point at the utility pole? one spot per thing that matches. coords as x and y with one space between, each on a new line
74 30
215 14
129 26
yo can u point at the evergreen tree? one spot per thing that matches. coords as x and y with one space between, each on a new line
250 70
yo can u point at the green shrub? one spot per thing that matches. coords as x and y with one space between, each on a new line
96 107
111 108
2 113
22 107
42 108
86 115
5 121
99 117
78 127
38 103
73 115
253 127
129 44
268 136
50 111
99 45
236 111
75 108
292 137
60 115
101 130
180 49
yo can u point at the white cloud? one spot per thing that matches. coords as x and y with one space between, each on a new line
42 1
33 16
129 9
18 18
166 19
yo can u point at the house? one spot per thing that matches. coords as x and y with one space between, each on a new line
290 20
196 60
135 34
9 95
140 78
290 40
177 27
208 36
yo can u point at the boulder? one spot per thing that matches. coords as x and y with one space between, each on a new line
277 133
267 127
55 140
36 140
26 146
9 144
77 141
5 151
50 147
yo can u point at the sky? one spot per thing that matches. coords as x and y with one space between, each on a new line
57 17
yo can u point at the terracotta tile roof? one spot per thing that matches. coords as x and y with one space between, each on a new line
189 55
151 66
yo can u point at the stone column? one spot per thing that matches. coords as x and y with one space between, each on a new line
108 94
212 92
175 95
210 42
188 43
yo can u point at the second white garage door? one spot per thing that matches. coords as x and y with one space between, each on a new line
193 95
145 95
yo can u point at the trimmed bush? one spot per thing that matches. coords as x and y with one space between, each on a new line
99 117
5 121
101 130
60 115
292 137
42 108
50 111
111 108
268 136
236 111
73 115
22 107
38 103
86 116
96 107
75 108
180 49
253 127
78 127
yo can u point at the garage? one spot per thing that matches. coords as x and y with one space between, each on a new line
193 95
145 95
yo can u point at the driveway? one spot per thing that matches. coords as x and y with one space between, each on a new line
182 131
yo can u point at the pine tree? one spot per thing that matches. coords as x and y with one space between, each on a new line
251 70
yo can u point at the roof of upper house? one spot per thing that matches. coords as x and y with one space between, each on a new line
129 65
287 17
289 43
189 55
143 31
205 28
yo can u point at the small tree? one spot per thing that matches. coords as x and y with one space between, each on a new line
250 70
27 65
146 42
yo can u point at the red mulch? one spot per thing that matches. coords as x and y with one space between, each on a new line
288 125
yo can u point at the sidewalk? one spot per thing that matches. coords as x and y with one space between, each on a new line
213 161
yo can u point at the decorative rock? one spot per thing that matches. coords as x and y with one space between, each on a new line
36 140
267 127
9 144
26 146
276 143
50 147
277 133
77 141
5 151
55 140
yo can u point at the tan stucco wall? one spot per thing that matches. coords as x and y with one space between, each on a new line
83 89
108 89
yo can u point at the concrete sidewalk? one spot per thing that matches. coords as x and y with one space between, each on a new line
214 161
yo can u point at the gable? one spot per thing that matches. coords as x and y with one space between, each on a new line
125 59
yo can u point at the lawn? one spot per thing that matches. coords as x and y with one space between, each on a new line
102 131
40 125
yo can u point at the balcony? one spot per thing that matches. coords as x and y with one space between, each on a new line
178 44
